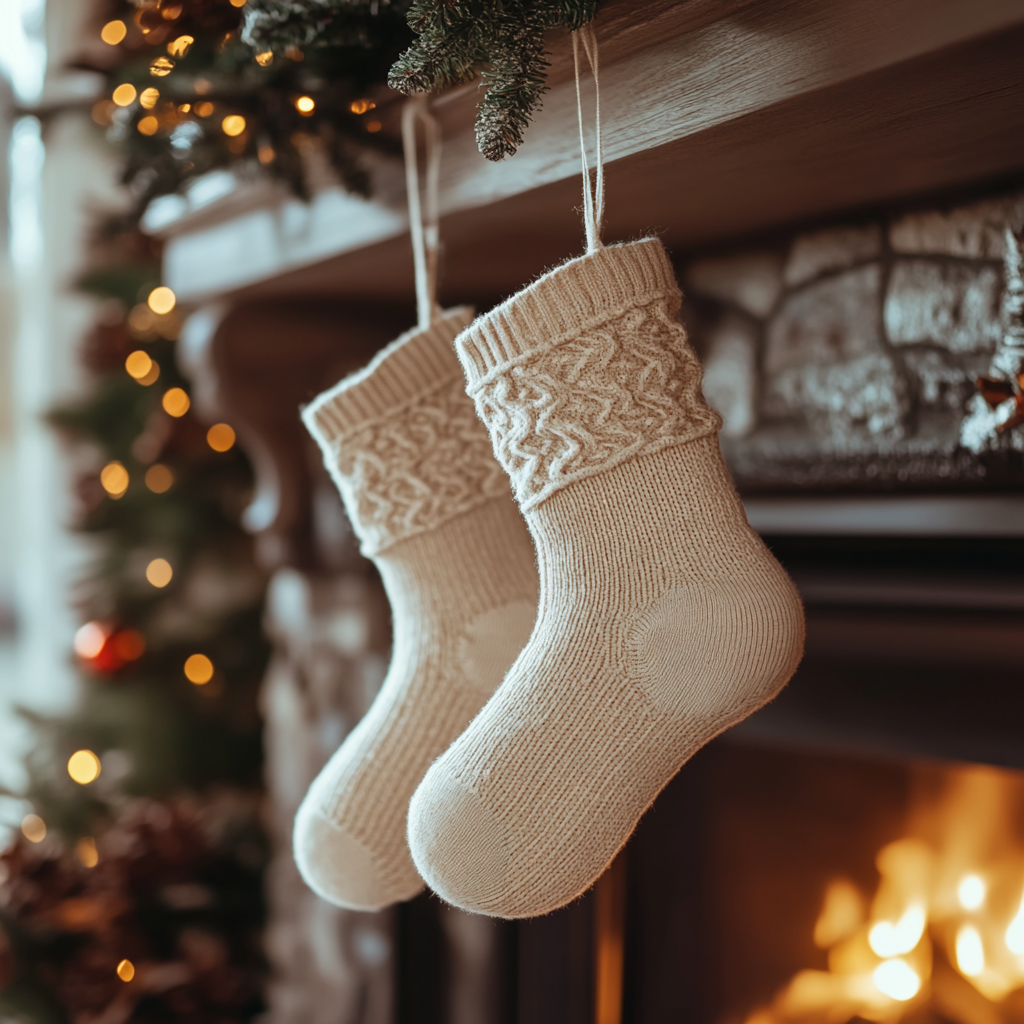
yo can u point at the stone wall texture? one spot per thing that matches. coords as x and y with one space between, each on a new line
845 357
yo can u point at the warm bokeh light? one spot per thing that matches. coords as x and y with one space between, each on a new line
159 572
84 767
159 478
148 98
141 320
89 640
266 154
220 437
103 112
149 125
33 828
204 109
1015 933
184 108
198 669
888 939
233 124
114 478
361 106
113 32
237 3
970 953
124 95
971 892
86 852
265 59
138 364
373 126
176 402
171 11
180 46
896 979
305 105
161 300
161 67
126 970
128 645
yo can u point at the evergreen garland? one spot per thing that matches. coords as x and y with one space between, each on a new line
501 41
158 859
202 99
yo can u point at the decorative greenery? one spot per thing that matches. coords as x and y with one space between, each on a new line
503 42
178 754
279 84
201 99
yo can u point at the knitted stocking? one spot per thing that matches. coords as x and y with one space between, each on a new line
433 509
663 618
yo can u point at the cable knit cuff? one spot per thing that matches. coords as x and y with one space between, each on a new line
571 298
584 369
411 366
402 441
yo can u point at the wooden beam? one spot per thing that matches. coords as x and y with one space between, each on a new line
778 111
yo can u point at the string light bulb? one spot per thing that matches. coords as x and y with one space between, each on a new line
198 669
84 767
126 970
85 850
33 828
159 573
176 402
220 437
305 105
114 479
159 478
161 67
113 32
124 95
161 300
265 59
148 98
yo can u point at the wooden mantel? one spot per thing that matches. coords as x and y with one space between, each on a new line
720 118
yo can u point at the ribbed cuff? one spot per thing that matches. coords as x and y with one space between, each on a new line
571 298
412 365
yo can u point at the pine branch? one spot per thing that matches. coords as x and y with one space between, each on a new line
503 42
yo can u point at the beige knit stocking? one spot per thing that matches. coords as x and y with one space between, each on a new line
433 509
663 618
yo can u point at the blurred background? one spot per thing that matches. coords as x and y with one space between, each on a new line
203 225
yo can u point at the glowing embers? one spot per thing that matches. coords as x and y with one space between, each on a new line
943 936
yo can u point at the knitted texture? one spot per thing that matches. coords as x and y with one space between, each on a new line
428 500
584 370
402 443
663 618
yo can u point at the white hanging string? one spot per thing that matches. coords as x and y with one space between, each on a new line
424 213
593 200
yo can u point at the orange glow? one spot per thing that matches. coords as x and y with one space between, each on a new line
233 124
180 46
159 478
198 669
113 32
84 767
159 573
305 105
176 403
161 300
114 478
265 59
220 437
204 109
361 106
161 67
85 850
33 828
124 95
126 970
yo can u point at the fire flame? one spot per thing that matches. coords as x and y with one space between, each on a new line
945 928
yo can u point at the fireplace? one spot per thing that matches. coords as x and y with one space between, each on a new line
853 853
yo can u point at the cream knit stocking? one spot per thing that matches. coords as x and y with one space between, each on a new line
433 509
663 618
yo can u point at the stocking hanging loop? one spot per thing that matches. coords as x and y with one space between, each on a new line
593 199
424 212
